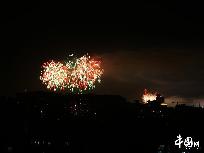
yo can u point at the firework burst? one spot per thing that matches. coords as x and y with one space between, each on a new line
86 71
147 96
76 75
54 75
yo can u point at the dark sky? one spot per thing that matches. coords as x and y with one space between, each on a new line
158 46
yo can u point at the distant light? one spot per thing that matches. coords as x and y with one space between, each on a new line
10 149
67 143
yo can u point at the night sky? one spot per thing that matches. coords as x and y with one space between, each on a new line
158 46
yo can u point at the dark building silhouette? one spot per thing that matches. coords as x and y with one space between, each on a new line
56 122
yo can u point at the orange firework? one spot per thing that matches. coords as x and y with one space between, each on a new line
147 96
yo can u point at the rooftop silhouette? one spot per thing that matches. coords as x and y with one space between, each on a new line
50 122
